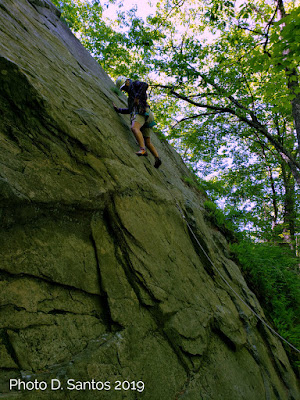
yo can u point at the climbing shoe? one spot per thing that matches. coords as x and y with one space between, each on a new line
157 163
142 152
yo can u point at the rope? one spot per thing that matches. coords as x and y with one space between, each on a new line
225 280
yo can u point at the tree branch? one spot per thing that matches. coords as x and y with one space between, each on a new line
251 30
253 123
196 116
269 26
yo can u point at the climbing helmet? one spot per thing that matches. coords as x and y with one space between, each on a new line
120 82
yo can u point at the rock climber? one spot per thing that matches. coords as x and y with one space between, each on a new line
142 118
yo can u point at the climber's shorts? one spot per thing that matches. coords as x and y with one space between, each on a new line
146 123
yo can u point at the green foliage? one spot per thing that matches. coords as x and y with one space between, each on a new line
190 181
116 91
195 183
214 213
111 47
243 70
272 273
255 191
285 37
222 221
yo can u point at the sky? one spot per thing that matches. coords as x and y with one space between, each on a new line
143 8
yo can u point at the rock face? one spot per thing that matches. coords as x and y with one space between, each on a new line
101 279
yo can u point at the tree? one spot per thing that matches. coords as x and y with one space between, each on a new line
112 48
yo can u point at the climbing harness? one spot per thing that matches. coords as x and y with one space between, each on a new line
223 278
149 124
146 114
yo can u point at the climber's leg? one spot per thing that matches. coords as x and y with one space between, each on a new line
136 129
153 150
150 146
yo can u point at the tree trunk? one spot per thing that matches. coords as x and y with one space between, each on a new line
289 215
293 84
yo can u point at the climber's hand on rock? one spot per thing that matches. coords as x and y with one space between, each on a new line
115 107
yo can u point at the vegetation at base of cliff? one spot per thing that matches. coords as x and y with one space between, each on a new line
272 272
270 268
223 222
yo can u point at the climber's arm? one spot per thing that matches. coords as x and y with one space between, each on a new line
121 110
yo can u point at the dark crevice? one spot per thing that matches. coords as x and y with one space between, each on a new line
59 312
3 8
13 17
29 214
225 339
9 347
54 311
193 359
194 236
16 308
118 232
278 397
183 357
262 329
9 275
8 369
115 229
107 318
126 235
80 66
226 271
254 354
